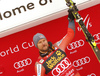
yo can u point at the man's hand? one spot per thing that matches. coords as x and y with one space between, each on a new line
70 16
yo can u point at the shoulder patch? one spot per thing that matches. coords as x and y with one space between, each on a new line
41 61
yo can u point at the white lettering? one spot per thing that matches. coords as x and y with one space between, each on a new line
79 68
20 70
87 22
73 52
70 72
31 44
2 54
92 74
16 49
26 45
38 69
7 52
10 50
23 45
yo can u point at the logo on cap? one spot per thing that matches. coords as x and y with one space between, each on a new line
41 36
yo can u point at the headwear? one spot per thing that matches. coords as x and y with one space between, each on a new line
37 37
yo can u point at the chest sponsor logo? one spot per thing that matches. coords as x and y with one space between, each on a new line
61 67
53 60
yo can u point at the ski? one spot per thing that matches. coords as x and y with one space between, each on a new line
79 20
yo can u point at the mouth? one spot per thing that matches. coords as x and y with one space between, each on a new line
45 48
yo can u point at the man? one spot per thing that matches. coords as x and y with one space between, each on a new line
53 60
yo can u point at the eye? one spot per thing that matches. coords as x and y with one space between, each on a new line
43 40
40 42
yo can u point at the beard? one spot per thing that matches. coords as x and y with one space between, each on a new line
46 50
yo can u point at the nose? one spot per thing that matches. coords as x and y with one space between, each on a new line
43 43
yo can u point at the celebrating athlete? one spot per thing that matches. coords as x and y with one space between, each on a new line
53 60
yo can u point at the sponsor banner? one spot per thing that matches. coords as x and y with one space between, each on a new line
82 61
18 53
20 12
76 44
23 63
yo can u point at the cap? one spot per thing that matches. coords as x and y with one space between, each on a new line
37 37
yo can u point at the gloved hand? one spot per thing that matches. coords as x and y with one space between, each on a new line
70 16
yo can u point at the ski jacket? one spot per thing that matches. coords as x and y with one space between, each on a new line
57 63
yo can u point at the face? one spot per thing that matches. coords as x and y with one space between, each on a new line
43 45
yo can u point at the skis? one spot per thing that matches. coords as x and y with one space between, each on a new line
79 19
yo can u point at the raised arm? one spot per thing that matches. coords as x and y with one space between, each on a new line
63 43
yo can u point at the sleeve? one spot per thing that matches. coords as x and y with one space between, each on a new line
63 43
39 70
